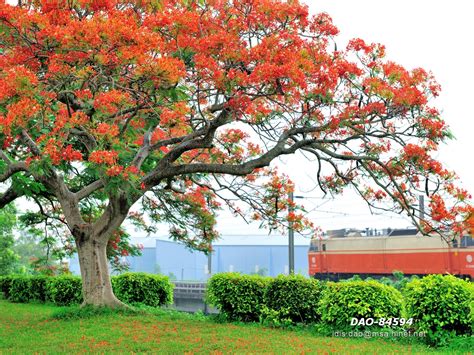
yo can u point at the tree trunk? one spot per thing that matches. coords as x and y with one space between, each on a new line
96 284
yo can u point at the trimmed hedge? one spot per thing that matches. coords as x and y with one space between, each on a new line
5 283
237 296
39 288
20 289
294 297
148 289
65 290
441 306
151 290
343 301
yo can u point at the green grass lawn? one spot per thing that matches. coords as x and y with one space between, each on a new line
31 328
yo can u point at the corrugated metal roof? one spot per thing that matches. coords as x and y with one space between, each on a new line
260 240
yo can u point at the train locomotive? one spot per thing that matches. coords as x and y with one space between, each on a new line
341 257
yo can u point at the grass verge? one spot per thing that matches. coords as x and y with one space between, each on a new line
40 328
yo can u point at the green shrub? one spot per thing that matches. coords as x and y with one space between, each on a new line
5 283
397 279
148 289
64 290
238 297
275 318
20 289
343 301
38 289
295 297
441 306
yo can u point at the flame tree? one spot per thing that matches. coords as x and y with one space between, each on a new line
182 105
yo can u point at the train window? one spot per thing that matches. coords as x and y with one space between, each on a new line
313 247
466 241
324 247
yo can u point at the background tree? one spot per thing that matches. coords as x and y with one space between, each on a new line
8 257
31 253
182 105
37 246
45 241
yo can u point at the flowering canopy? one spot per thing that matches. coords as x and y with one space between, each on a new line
183 105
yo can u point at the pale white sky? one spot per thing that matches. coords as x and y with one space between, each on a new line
433 34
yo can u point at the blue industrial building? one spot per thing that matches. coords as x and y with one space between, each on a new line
269 258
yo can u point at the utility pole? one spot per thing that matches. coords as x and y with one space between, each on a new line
209 264
421 202
291 237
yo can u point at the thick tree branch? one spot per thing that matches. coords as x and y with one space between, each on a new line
87 138
230 169
30 143
12 169
89 189
205 141
144 150
56 186
208 131
70 99
113 216
9 196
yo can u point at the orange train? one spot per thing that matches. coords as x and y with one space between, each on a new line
343 257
